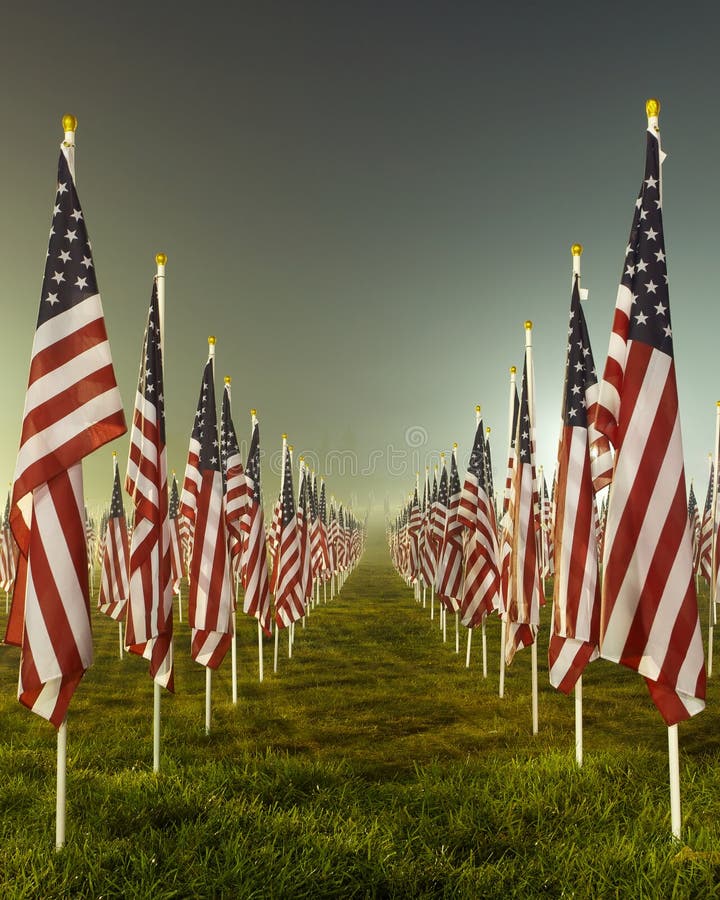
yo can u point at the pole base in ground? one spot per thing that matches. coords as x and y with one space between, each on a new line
61 785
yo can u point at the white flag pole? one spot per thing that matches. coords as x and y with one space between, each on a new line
160 261
253 423
531 408
208 670
674 766
233 639
503 625
61 785
713 555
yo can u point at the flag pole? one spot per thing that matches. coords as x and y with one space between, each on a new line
160 261
60 789
233 639
674 767
253 423
120 628
282 484
713 555
208 670
531 406
503 619
576 251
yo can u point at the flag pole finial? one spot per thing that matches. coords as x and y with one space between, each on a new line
576 249
211 340
528 325
69 123
488 430
284 436
513 370
161 259
455 445
228 379
652 108
253 412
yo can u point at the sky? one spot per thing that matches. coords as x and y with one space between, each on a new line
363 202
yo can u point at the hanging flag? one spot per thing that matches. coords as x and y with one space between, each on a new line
649 618
72 407
211 596
114 583
177 554
694 519
149 628
576 595
254 571
481 583
449 574
524 592
289 601
234 484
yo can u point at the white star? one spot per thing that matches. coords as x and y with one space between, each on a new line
641 266
61 188
571 413
58 277
641 318
660 256
76 214
70 235
651 234
87 262
651 287
64 255
660 309
650 182
52 299
630 270
668 331
81 282
575 389
579 367
643 215
56 210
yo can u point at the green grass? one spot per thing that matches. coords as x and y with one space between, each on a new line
374 764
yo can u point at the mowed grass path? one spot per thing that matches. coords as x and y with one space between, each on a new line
373 764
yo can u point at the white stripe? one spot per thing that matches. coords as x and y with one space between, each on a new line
67 323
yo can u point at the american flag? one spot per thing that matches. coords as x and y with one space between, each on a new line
504 525
7 552
211 597
576 595
427 547
177 554
694 518
706 531
114 583
72 407
449 572
303 526
149 628
524 592
254 570
649 618
289 600
481 584
546 533
234 483
414 525
439 508
322 518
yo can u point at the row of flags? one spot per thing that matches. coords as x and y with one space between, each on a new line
620 432
213 530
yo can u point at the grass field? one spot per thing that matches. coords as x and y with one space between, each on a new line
373 764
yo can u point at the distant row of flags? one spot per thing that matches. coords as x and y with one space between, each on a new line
213 530
648 540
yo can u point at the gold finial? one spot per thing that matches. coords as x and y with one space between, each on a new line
284 437
228 379
455 446
253 412
487 430
528 325
442 455
576 249
115 451
513 370
652 108
161 259
69 123
301 459
717 403
211 340
290 448
477 408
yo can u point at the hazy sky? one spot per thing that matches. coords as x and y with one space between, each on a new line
364 202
